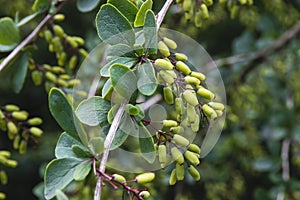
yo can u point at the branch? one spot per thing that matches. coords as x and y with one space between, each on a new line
161 15
28 39
259 55
107 144
285 159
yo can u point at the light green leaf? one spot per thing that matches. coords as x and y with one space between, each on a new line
140 16
64 115
107 89
64 145
113 27
138 118
60 195
82 170
146 144
147 82
123 80
27 19
14 75
40 5
121 60
150 33
87 5
58 174
126 7
119 139
9 34
96 145
93 111
120 50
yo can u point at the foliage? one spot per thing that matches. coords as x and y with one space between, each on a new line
257 156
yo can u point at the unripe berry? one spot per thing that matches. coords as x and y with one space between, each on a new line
177 130
48 35
208 2
11 108
4 153
191 156
162 153
179 172
192 80
194 173
219 113
144 194
191 113
163 64
180 57
51 77
59 17
173 177
177 155
168 95
163 49
2 116
145 177
2 195
204 11
180 140
58 30
73 62
170 43
198 19
169 123
37 77
210 112
186 5
3 177
183 68
216 105
194 148
12 128
205 93
11 163
190 98
23 147
16 142
179 105
119 178
35 131
20 115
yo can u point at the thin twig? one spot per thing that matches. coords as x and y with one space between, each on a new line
160 16
259 55
285 159
28 39
107 144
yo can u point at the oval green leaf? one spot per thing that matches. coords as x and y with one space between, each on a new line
9 34
146 144
123 80
140 16
87 5
93 111
150 33
113 27
126 7
147 82
126 61
82 170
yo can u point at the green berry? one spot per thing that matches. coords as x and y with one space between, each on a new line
180 140
173 177
194 173
163 49
177 155
145 177
163 64
170 43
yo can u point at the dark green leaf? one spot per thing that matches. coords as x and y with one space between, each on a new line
63 113
93 111
141 114
96 145
120 50
80 151
64 145
129 126
82 170
59 173
126 7
9 34
150 33
147 82
140 16
119 139
14 74
123 80
113 27
87 5
121 60
146 144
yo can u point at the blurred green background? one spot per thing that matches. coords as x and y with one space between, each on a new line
258 153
